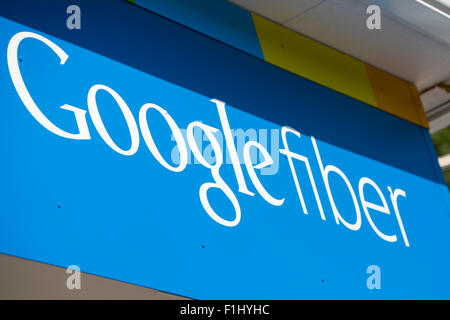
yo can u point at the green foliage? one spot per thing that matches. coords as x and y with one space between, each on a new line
447 177
441 141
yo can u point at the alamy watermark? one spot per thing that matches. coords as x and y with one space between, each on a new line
74 280
73 21
373 22
268 138
374 280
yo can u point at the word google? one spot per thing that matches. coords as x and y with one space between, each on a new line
218 182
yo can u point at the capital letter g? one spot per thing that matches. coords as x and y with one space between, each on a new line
13 65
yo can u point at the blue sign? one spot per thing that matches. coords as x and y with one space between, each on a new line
133 177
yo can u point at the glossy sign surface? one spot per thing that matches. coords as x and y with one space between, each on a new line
112 207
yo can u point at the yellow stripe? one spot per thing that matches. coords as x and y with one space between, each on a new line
396 96
338 71
313 60
419 106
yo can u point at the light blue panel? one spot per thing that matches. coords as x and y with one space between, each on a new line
218 19
68 202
